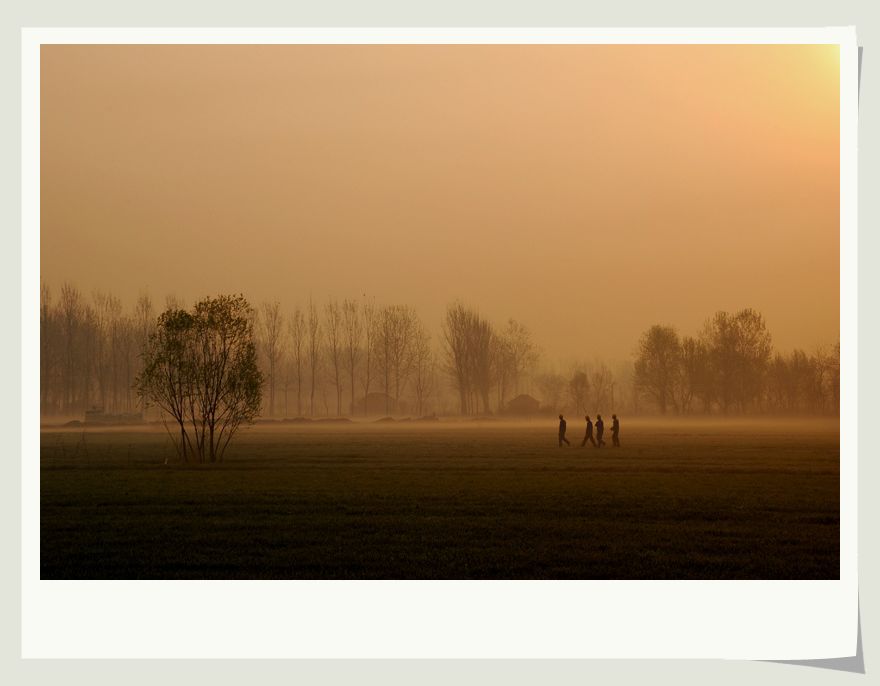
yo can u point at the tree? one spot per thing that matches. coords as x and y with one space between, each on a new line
271 327
72 327
828 362
297 326
314 351
754 349
333 318
739 348
657 365
552 387
694 379
523 354
201 368
578 387
423 366
455 338
353 332
371 334
396 334
145 324
502 367
48 343
602 382
167 377
468 345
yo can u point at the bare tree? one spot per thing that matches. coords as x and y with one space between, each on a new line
353 333
145 325
552 387
333 318
468 340
48 341
502 367
602 383
395 345
455 338
297 326
271 328
314 351
71 313
523 354
126 346
371 334
172 302
578 387
406 325
423 365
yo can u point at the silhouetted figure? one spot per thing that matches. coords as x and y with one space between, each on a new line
600 431
589 435
562 426
615 430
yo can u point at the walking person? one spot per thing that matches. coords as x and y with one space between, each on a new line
562 437
615 431
589 435
600 431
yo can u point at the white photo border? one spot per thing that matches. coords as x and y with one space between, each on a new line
782 620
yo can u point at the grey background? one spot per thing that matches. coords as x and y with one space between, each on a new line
15 14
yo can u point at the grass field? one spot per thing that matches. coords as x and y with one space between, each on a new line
678 500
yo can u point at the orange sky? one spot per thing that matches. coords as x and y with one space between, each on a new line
588 191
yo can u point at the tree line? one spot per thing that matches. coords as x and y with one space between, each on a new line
336 358
350 358
730 366
358 358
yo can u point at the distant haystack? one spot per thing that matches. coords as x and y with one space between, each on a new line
522 406
97 416
379 403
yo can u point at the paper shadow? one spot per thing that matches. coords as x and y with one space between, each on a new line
854 664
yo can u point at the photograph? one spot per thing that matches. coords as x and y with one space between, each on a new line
463 311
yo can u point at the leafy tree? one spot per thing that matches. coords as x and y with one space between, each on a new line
739 348
201 368
167 377
694 379
657 365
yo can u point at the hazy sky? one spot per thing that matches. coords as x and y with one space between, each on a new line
588 191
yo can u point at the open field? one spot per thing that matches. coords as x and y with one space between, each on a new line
678 500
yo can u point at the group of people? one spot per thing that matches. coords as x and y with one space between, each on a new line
588 436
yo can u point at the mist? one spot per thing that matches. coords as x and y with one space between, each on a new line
588 192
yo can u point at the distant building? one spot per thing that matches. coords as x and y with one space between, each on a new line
522 405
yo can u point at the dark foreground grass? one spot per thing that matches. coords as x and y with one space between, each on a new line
676 502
